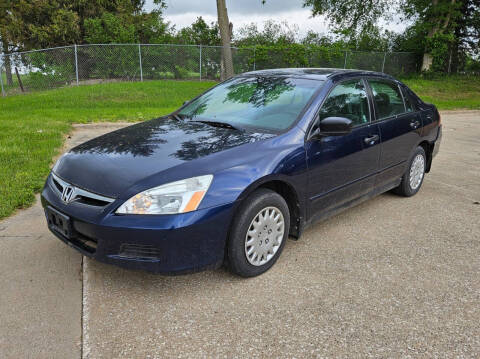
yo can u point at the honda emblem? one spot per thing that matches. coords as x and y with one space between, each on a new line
68 194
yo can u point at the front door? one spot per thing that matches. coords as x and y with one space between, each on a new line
342 168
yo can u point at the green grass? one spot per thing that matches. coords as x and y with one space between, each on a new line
32 126
448 92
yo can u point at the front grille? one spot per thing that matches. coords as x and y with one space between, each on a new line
57 184
77 194
139 252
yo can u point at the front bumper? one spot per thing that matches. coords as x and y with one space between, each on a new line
167 244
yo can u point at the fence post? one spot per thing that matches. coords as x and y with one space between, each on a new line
383 65
345 63
140 60
200 62
1 76
76 63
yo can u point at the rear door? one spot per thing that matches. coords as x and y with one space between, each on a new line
342 168
400 129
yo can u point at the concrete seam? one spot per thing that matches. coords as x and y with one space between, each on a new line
85 349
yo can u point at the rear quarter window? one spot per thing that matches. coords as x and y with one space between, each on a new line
409 104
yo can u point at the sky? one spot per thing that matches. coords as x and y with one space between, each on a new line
182 13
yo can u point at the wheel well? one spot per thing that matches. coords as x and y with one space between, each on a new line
428 148
290 196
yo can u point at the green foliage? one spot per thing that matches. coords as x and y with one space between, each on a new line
109 28
150 28
199 33
27 24
273 33
179 62
297 55
439 47
109 62
439 26
472 65
351 17
34 24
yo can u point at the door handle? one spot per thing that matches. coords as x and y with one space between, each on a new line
414 124
371 140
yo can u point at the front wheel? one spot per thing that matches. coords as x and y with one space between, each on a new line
258 234
413 177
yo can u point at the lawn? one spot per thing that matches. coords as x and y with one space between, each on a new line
32 126
448 93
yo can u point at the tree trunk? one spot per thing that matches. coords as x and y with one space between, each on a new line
8 65
437 28
224 26
427 62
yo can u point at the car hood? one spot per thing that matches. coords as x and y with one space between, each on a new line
112 163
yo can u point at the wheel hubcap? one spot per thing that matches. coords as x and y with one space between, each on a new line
417 171
264 236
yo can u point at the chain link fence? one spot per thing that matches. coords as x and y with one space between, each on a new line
89 64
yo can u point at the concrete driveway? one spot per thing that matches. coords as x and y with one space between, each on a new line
392 277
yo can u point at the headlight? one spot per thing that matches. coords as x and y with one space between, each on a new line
176 197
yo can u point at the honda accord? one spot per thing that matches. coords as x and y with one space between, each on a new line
229 176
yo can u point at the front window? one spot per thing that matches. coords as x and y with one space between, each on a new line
268 103
348 99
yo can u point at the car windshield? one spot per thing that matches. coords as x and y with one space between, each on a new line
265 103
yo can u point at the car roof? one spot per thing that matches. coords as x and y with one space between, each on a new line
316 73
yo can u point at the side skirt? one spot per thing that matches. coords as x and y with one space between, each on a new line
325 215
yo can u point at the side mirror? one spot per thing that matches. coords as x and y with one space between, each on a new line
335 126
185 103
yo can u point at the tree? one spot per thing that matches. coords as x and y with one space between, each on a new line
436 19
128 25
33 24
29 24
6 30
109 28
273 33
25 24
225 34
199 33
467 36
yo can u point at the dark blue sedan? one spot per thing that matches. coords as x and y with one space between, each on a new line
231 174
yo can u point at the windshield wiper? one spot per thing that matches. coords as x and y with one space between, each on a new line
176 117
217 124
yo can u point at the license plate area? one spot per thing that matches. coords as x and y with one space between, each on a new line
58 222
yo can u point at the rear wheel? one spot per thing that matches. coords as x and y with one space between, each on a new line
413 177
258 234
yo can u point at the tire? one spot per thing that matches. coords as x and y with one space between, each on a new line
413 177
261 240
